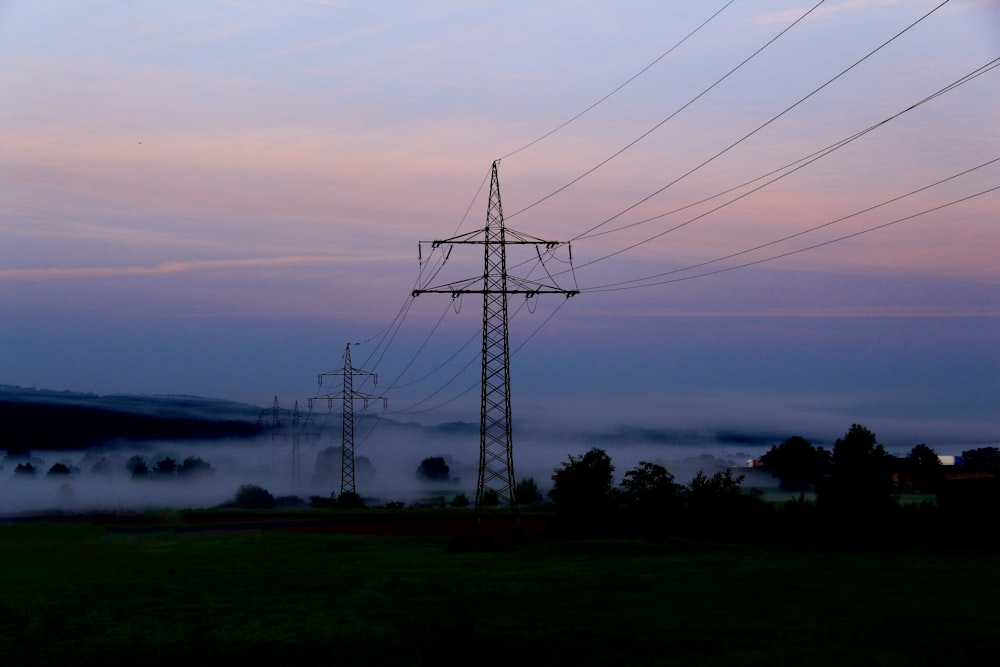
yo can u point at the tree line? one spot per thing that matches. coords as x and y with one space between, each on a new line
854 493
137 467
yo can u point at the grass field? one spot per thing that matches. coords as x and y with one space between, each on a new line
161 592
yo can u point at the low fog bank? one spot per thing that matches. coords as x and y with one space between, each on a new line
386 461
387 455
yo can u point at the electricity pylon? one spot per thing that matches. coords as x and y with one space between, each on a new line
296 451
347 396
496 464
276 416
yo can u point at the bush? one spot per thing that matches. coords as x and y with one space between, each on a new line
349 500
250 496
322 502
491 498
434 469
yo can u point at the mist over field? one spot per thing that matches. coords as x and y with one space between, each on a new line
100 479
387 452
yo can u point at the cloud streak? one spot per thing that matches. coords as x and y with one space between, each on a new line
827 11
170 268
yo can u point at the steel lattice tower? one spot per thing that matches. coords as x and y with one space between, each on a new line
274 418
496 463
347 396
296 451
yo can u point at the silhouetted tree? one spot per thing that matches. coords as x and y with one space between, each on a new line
796 463
582 486
460 500
704 493
59 469
251 496
193 465
165 467
649 489
433 469
982 459
137 466
25 469
926 471
527 493
860 475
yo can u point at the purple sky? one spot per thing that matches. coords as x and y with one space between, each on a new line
213 198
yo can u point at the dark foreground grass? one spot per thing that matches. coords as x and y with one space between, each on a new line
77 593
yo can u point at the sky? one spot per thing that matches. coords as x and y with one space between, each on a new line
215 198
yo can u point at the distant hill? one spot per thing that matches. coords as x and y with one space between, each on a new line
51 420
41 419
61 420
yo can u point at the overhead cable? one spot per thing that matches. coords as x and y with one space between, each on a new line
760 127
782 172
794 252
628 81
671 116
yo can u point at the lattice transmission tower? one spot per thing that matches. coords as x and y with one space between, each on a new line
277 418
496 485
347 396
297 424
274 418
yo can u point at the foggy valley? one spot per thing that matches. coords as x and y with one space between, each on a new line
244 449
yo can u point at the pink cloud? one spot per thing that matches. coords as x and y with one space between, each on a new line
169 268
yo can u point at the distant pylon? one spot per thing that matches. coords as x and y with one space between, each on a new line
347 396
496 465
296 452
274 418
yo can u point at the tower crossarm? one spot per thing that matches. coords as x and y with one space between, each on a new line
356 396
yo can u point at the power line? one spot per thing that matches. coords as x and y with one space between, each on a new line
628 81
782 173
395 383
811 229
457 375
671 116
792 252
808 159
778 173
411 411
762 126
